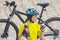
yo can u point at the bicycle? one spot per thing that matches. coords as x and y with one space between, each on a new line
9 22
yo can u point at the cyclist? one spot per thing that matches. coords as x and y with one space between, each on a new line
34 28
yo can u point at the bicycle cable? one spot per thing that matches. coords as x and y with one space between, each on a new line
6 12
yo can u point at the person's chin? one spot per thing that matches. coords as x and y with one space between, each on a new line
34 20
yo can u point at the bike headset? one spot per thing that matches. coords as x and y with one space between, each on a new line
30 12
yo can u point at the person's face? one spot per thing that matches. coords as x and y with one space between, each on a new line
34 18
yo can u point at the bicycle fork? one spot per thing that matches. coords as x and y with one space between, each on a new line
5 33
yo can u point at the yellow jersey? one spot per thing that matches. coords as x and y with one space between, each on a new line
34 30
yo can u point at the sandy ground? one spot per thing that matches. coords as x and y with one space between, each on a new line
53 10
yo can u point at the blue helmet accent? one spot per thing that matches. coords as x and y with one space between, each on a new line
32 11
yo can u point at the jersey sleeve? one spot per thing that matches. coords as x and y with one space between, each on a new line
21 29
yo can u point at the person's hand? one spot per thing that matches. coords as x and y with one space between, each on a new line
43 27
22 38
41 36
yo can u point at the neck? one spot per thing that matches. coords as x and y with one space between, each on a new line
30 21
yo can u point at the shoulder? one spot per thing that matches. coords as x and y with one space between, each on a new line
37 24
21 26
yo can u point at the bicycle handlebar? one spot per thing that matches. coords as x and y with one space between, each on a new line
10 4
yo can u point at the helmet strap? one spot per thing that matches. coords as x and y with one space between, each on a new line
31 20
29 17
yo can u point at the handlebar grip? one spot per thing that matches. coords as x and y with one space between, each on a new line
12 3
7 3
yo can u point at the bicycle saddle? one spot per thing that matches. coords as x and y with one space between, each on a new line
43 4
